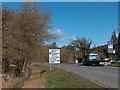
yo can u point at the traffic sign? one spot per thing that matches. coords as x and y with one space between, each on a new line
110 50
113 51
110 46
54 55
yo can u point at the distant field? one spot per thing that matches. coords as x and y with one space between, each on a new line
59 78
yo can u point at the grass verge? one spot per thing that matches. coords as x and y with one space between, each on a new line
59 78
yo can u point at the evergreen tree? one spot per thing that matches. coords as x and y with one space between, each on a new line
114 37
118 50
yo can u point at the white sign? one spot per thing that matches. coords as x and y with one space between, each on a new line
54 55
114 51
110 50
110 46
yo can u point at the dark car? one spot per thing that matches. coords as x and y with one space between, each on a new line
112 61
117 61
84 61
79 59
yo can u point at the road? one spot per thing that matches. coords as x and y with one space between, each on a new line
106 76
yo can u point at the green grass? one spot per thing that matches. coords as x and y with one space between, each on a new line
41 66
58 78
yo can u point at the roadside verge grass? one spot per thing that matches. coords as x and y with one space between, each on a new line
59 78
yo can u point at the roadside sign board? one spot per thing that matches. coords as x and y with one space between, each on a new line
110 50
54 56
114 51
110 42
110 46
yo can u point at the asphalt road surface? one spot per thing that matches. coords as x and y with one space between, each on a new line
106 76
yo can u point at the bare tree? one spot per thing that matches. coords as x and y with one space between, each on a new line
23 31
67 54
53 45
83 45
7 17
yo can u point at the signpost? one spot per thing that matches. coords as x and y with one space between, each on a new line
54 56
110 46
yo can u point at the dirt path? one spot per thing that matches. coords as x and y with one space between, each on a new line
36 80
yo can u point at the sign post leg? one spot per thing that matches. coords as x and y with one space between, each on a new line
59 65
50 66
